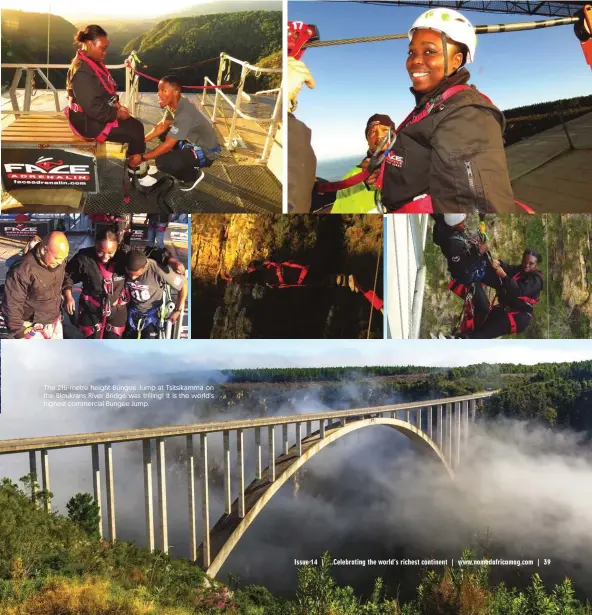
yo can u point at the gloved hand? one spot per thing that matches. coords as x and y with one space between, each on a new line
298 74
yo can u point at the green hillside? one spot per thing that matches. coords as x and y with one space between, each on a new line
249 36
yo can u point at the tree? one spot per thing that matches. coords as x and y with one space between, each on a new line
84 511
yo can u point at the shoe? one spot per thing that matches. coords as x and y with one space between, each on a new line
140 173
147 181
152 170
187 186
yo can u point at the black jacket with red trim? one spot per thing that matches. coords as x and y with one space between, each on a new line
517 284
455 154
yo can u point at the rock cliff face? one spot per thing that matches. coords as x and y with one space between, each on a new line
223 247
565 308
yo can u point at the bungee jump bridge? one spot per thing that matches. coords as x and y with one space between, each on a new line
440 427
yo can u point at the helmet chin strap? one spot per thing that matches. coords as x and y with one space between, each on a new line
445 51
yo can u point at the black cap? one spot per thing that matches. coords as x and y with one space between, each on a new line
379 118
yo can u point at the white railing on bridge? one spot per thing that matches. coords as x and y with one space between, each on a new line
274 119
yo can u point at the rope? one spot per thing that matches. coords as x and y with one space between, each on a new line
374 290
189 87
493 29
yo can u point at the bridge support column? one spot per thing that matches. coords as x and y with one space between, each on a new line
271 452
45 477
322 428
430 419
148 496
418 418
393 414
162 496
449 432
285 439
466 425
259 469
440 426
344 421
227 485
96 474
241 472
110 484
191 498
457 435
299 439
308 429
473 409
205 502
407 416
33 474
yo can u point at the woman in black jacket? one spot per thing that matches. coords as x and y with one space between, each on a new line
94 110
449 153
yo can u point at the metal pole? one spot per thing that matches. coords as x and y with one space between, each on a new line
191 498
271 451
148 496
237 105
218 82
28 89
13 88
227 486
299 439
96 472
205 502
258 455
110 484
275 119
241 473
162 498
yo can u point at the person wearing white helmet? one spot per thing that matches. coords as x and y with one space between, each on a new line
449 153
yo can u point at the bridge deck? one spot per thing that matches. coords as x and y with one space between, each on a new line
235 183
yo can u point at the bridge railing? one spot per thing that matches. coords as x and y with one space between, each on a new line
447 428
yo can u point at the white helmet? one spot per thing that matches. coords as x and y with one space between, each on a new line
452 23
454 219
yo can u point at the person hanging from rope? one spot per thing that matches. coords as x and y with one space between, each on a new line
188 139
101 269
94 110
518 290
288 274
359 199
466 257
148 308
449 152
32 305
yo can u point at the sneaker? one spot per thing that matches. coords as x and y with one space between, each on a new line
147 181
187 186
152 170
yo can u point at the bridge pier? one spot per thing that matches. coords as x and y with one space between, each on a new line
418 420
259 468
33 474
285 438
96 474
440 425
241 472
322 428
299 439
407 416
271 452
458 434
205 502
449 432
227 484
473 409
308 429
45 477
162 496
466 425
110 485
148 495
191 498
430 418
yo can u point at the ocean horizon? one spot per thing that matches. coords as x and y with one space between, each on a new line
336 168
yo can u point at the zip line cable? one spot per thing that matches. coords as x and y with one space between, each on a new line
492 29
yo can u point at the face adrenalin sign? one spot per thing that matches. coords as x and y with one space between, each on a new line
53 168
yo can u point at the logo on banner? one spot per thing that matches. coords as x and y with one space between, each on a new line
20 230
25 168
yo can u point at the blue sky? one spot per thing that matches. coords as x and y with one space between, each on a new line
355 81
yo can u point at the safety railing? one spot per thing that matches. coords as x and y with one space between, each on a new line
31 69
275 117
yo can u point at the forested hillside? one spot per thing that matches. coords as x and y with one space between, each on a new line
565 307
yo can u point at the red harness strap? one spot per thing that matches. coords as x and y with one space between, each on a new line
278 269
102 72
